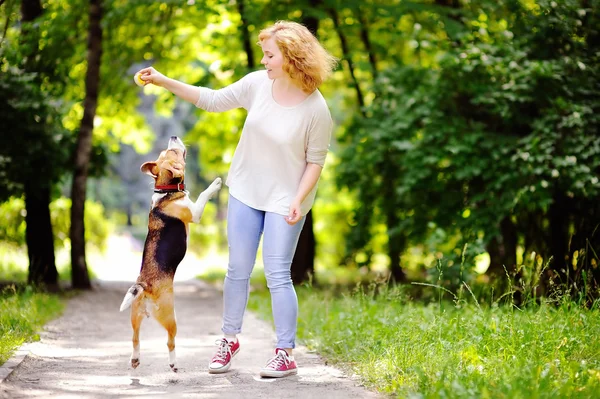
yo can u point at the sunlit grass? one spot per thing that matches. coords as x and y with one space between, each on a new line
216 275
451 349
22 315
338 278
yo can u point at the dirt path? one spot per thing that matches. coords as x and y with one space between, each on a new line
85 354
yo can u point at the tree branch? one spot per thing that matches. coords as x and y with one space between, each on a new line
364 34
347 57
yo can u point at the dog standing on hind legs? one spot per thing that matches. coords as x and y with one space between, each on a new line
166 244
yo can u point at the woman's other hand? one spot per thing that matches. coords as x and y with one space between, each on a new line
295 214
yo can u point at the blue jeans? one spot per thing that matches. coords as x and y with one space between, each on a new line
244 228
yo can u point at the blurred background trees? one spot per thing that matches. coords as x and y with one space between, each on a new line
466 145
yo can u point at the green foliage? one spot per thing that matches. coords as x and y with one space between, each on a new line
451 350
22 315
483 114
495 131
12 213
14 263
98 227
37 149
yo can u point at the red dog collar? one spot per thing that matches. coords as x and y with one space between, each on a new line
169 188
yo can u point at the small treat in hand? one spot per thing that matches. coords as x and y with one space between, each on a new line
138 80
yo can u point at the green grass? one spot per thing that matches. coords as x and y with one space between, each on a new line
444 349
22 314
216 275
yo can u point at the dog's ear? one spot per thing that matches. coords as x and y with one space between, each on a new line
150 168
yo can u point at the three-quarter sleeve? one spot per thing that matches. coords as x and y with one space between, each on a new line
319 137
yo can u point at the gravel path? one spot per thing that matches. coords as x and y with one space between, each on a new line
85 354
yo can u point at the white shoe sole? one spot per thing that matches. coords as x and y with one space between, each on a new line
225 368
277 374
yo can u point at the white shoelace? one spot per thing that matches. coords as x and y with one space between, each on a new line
279 360
224 349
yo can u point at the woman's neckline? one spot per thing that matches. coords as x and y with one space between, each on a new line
289 106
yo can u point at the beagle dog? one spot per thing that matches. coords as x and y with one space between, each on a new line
166 243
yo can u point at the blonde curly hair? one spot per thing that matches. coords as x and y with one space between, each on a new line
305 60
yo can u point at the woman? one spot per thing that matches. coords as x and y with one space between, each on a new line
273 176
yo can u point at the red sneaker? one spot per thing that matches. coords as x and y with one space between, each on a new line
221 361
280 366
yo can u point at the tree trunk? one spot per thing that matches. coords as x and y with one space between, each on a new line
495 270
39 237
38 230
453 4
396 245
79 276
310 18
303 264
397 239
510 241
503 260
30 10
559 238
448 3
364 35
586 241
246 35
129 212
503 251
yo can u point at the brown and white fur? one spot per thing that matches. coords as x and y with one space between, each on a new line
166 244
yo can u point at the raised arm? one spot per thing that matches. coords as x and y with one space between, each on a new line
235 95
182 90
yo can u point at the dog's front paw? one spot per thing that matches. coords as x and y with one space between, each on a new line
135 363
214 186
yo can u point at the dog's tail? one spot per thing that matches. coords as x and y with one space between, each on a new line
132 293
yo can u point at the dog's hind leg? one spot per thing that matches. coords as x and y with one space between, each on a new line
137 315
165 314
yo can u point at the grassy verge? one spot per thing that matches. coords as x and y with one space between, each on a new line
22 315
451 349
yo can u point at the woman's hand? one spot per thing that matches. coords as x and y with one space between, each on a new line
295 213
151 75
182 90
